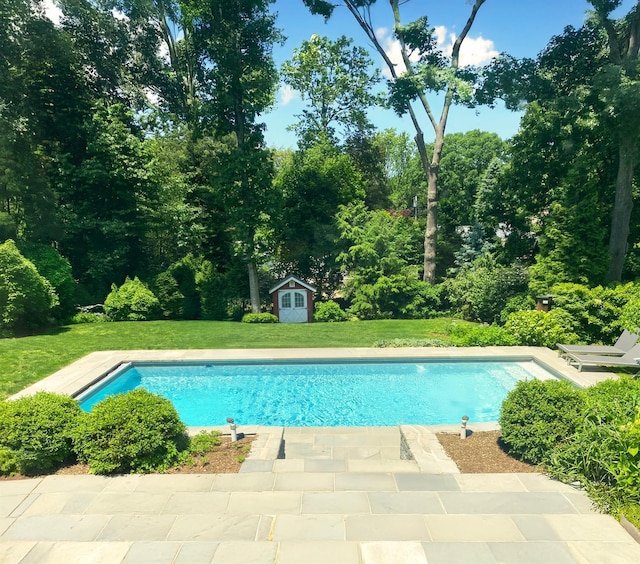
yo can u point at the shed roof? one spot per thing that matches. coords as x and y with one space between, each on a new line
288 279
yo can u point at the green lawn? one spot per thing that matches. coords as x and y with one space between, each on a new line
26 360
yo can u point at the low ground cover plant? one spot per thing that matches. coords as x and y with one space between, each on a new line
260 318
330 312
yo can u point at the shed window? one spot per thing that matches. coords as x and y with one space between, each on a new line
299 299
286 300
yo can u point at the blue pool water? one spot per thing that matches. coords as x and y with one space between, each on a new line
318 393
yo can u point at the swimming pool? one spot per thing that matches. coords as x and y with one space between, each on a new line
326 393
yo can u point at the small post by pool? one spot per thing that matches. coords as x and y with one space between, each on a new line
463 428
232 426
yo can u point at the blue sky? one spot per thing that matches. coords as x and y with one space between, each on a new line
521 28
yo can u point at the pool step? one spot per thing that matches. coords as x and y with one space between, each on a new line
348 449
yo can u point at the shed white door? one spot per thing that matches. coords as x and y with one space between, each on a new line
293 306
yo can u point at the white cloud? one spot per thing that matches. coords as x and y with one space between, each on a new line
474 51
52 11
287 94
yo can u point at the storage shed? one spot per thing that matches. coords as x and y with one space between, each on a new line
293 300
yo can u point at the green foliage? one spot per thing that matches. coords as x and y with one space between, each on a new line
329 312
212 287
133 301
166 289
537 415
542 329
481 336
399 343
8 462
630 314
134 432
604 453
88 317
260 318
26 298
521 302
204 442
36 432
184 272
481 290
57 271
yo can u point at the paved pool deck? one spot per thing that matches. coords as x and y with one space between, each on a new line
354 495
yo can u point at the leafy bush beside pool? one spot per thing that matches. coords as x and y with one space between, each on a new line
36 431
132 432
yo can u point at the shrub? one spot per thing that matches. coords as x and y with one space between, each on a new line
481 290
329 312
132 301
542 329
136 431
537 415
204 442
480 336
36 432
88 317
260 318
604 452
57 271
26 298
397 343
166 289
630 314
211 287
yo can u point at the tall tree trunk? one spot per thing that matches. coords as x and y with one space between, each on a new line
623 204
254 288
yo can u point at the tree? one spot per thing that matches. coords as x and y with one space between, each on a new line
433 72
336 80
589 74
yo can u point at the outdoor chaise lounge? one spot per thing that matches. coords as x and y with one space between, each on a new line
628 360
624 344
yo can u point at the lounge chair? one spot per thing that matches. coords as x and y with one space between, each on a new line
624 343
627 360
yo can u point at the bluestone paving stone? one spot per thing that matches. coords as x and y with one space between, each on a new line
473 528
382 466
284 465
541 483
426 482
18 487
365 481
56 528
490 483
335 502
397 552
307 481
459 553
535 528
308 527
63 503
152 553
114 503
325 466
532 552
12 553
580 501
605 552
9 503
194 551
137 528
161 483
314 552
245 553
256 466
267 503
5 523
386 528
405 502
587 528
257 482
214 528
81 482
506 503
75 552
125 483
189 503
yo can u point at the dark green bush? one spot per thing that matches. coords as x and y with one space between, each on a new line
542 329
480 336
57 271
132 301
166 289
604 452
537 415
260 318
36 432
132 432
329 312
26 297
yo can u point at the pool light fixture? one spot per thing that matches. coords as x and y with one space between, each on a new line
463 428
232 426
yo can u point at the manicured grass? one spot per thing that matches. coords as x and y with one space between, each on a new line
26 360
